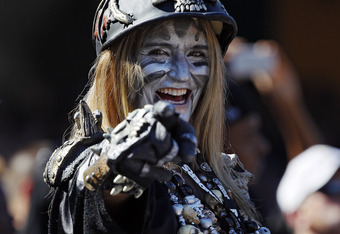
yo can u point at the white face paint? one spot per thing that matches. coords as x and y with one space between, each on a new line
174 60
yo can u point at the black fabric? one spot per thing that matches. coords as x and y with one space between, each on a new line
65 160
160 217
78 210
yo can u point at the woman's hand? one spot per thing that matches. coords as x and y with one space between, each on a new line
140 145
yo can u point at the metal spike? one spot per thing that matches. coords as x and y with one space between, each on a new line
98 117
119 179
88 179
138 193
97 150
88 183
76 118
117 189
127 188
107 136
109 130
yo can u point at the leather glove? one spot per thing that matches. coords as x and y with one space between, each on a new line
149 137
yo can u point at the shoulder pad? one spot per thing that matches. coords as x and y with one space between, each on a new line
65 159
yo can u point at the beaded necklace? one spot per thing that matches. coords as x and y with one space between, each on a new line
217 213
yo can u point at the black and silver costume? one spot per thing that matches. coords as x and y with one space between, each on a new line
148 156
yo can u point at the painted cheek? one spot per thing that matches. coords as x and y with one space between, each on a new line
153 68
201 71
146 97
200 83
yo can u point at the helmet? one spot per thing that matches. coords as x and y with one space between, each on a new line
115 18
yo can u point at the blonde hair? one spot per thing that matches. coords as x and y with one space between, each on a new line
117 79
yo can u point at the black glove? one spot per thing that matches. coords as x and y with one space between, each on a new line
149 137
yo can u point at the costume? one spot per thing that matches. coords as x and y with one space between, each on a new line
79 210
149 154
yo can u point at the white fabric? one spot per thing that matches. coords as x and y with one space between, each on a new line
305 174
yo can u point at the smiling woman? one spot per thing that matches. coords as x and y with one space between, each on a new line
174 62
158 83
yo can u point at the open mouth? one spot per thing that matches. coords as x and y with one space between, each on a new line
175 96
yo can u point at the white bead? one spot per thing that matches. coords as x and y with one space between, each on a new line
188 229
205 223
178 208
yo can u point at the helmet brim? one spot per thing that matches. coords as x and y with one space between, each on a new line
142 12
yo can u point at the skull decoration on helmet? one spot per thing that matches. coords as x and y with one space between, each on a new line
114 18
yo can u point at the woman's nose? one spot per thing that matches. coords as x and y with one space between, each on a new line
180 69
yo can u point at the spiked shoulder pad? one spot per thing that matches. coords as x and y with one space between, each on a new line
65 159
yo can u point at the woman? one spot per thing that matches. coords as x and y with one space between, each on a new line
158 81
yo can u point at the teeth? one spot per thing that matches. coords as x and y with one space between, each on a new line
173 92
177 103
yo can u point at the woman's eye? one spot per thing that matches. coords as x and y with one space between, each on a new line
197 54
158 52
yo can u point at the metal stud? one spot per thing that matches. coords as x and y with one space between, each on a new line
138 193
59 159
116 190
128 188
119 179
97 150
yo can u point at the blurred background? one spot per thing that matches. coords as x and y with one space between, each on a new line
46 52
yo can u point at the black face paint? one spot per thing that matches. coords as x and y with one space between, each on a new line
155 75
147 62
197 36
181 27
175 62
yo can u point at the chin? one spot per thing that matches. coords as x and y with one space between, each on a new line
184 111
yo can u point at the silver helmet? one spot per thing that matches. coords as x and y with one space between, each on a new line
115 18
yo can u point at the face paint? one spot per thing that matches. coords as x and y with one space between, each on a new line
175 64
